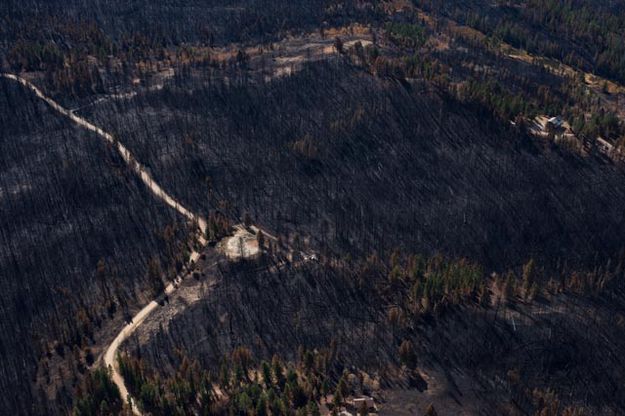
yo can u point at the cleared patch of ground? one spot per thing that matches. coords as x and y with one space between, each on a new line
242 245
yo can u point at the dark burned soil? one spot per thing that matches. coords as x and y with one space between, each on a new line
67 203
388 165
375 165
357 155
491 359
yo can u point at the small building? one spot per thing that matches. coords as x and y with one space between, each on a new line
604 145
545 126
554 124
295 256
309 257
368 401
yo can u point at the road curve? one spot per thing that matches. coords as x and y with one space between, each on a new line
111 353
110 356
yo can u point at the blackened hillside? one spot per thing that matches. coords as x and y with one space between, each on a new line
173 22
366 164
478 357
67 203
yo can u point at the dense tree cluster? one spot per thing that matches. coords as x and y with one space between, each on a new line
406 34
98 396
242 386
603 123
582 33
483 78
189 390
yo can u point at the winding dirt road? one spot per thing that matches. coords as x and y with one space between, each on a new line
111 352
110 356
130 160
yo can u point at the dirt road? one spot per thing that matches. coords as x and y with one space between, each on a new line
242 233
110 356
111 352
130 160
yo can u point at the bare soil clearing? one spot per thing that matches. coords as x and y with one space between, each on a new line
242 245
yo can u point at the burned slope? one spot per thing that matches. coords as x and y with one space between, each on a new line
362 164
68 203
481 357
79 49
567 344
365 164
162 24
275 313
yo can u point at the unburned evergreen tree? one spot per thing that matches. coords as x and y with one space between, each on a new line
98 396
261 407
266 371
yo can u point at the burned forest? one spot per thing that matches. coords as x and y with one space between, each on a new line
301 208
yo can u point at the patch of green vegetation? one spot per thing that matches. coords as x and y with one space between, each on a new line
406 34
98 396
604 123
246 387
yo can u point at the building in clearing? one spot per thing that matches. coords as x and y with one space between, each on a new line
357 403
554 123
552 127
604 145
368 401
